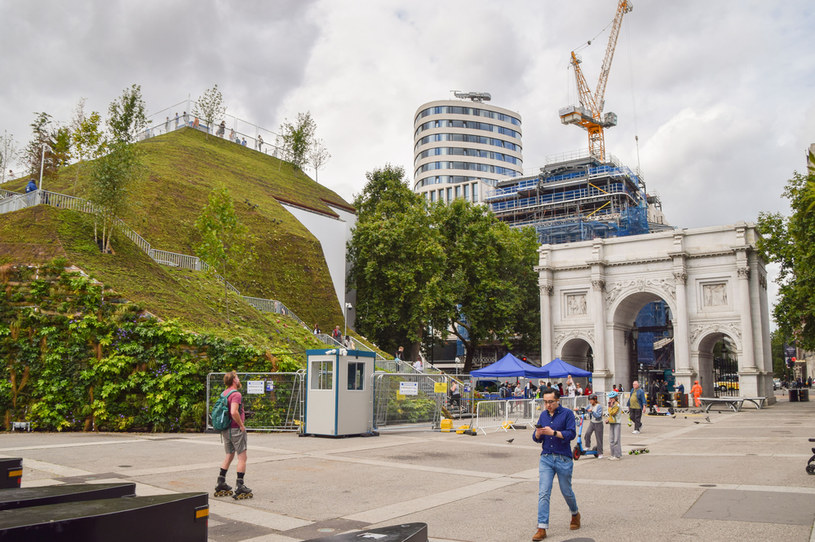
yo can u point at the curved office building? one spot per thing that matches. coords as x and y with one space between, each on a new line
462 147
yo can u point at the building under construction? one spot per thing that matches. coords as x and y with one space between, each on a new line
578 197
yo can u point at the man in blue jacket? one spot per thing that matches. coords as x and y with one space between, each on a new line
555 430
636 402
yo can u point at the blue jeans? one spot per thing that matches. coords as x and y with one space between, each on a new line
551 464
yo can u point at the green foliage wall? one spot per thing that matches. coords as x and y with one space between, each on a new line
76 357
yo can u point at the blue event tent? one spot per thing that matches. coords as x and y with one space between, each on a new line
560 369
509 365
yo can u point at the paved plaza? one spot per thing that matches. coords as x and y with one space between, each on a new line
734 476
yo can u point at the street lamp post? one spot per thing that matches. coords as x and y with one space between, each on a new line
348 307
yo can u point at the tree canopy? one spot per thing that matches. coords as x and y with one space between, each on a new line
447 268
790 242
223 236
210 107
298 139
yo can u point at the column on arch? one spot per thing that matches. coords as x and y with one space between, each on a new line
546 290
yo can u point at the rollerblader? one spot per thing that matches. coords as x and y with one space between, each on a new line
234 439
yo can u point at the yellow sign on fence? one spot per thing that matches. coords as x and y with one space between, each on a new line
440 387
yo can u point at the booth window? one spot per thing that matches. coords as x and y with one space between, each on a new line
322 375
356 371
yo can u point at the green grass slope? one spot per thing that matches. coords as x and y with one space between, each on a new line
39 234
181 168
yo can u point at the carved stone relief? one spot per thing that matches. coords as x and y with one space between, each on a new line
565 336
575 304
715 294
667 287
731 329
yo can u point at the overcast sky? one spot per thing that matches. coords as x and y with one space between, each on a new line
721 93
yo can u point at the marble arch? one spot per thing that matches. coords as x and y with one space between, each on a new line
712 279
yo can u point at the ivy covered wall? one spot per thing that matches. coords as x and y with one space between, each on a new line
76 357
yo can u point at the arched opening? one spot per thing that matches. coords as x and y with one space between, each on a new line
578 352
718 366
643 338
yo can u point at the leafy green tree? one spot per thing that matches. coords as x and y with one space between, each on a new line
489 291
224 239
790 242
126 117
209 107
112 173
86 136
42 138
395 257
298 139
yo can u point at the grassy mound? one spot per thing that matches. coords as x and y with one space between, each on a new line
181 168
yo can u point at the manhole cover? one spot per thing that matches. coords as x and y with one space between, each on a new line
707 485
125 466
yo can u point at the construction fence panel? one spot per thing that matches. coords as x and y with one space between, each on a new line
505 414
271 401
409 401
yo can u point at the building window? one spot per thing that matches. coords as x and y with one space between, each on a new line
432 196
441 194
449 194
458 191
475 192
356 372
466 191
322 375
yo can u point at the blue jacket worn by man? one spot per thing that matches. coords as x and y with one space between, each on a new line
31 186
640 397
562 421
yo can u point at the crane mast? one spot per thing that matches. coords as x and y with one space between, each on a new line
589 114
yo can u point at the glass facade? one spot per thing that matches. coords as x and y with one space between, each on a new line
468 125
468 138
474 111
467 144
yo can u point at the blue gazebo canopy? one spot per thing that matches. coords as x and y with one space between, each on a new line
508 366
560 369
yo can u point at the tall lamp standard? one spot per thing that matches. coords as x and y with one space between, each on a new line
42 160
348 307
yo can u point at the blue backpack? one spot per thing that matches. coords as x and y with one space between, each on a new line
221 418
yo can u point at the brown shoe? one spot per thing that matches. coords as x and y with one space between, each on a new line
575 524
540 534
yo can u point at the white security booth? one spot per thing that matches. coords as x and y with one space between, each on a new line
339 394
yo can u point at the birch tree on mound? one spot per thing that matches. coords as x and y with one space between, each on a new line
224 239
209 106
115 171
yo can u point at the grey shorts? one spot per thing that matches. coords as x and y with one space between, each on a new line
234 440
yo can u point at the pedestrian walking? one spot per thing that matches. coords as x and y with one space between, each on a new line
234 439
595 417
555 430
696 391
636 402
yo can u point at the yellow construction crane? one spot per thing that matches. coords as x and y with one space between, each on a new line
589 114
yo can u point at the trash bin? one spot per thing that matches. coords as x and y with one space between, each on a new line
803 394
794 395
681 400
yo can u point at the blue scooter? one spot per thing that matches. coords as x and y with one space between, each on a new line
580 416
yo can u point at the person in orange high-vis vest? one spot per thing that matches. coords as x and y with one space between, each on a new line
696 391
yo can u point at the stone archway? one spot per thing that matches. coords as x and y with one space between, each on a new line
578 352
708 277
